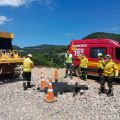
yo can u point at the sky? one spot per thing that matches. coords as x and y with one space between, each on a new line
36 22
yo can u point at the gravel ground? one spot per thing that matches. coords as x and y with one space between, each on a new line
17 104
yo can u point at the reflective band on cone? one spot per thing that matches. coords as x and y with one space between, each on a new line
43 83
50 84
50 90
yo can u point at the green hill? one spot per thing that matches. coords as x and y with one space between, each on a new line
46 49
103 35
46 55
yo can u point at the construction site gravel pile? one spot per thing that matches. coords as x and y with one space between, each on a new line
17 104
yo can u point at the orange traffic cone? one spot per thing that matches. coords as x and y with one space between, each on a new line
50 95
56 75
43 83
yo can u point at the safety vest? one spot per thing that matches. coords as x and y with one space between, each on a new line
83 62
27 65
68 58
101 63
110 68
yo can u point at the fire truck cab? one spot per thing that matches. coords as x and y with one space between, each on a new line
91 48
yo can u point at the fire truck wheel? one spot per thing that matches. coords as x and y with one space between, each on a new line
78 72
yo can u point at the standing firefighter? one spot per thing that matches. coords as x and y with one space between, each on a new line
83 66
109 73
101 64
68 63
27 68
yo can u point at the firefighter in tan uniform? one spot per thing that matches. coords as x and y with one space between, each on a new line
101 64
110 70
83 66
27 68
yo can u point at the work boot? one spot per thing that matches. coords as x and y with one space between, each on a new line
28 85
65 76
102 90
110 93
71 76
24 86
85 78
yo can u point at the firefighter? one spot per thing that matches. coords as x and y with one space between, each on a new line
83 66
68 63
109 73
101 64
27 68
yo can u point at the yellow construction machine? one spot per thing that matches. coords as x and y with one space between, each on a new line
10 61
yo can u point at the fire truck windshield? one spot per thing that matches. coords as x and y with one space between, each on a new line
118 53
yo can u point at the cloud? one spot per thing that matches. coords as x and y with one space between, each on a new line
16 3
4 19
49 3
112 29
70 34
46 2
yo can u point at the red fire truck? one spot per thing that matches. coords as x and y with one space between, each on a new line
91 48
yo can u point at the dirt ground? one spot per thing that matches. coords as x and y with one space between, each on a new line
17 104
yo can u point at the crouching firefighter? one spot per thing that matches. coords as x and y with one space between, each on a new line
109 73
83 66
27 68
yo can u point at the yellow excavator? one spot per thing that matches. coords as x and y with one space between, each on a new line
10 61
